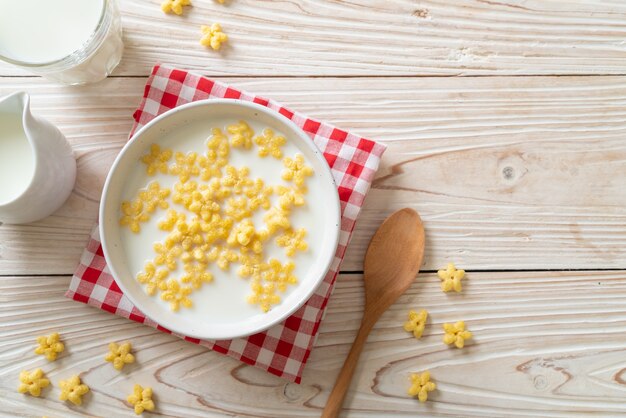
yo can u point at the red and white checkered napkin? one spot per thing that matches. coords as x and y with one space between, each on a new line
283 349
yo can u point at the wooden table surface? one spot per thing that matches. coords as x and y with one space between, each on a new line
506 127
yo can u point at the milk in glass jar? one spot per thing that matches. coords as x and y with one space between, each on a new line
70 41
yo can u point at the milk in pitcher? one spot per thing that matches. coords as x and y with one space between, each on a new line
17 162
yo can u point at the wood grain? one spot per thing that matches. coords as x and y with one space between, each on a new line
382 37
507 173
546 344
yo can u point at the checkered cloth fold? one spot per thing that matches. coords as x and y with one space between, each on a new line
283 349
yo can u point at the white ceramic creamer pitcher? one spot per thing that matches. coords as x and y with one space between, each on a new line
37 165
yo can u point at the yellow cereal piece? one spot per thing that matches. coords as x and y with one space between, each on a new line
174 6
270 143
275 219
50 346
72 390
293 240
238 208
296 170
241 135
172 217
119 355
290 197
251 266
141 399
218 228
168 253
237 179
156 160
456 334
196 273
218 147
263 295
416 323
280 274
203 206
451 278
32 382
213 36
220 1
222 256
177 295
245 236
421 385
259 195
153 279
138 211
185 166
218 191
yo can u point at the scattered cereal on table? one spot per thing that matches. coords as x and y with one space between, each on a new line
296 170
293 240
213 36
119 355
72 390
451 278
174 6
32 382
270 144
421 385
50 346
456 334
141 399
416 323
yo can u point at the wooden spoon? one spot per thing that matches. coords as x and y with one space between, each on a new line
392 261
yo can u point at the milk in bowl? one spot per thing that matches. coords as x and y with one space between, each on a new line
223 222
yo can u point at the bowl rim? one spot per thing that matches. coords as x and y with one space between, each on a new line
303 139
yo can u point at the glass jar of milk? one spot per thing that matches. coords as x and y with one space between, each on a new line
70 41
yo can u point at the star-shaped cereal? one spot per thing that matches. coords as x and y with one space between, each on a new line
237 179
218 228
185 166
238 208
177 295
421 385
280 274
218 147
50 346
153 279
213 36
451 278
241 134
456 334
172 217
259 194
276 219
204 206
119 355
296 170
32 382
196 274
293 240
133 215
222 256
251 266
174 6
416 323
167 255
154 197
156 160
290 196
141 399
245 236
72 390
263 295
270 144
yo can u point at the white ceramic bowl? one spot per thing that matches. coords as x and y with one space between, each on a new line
127 160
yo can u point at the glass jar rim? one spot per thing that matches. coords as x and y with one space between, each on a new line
69 57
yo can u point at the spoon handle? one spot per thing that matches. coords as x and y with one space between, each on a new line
335 400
